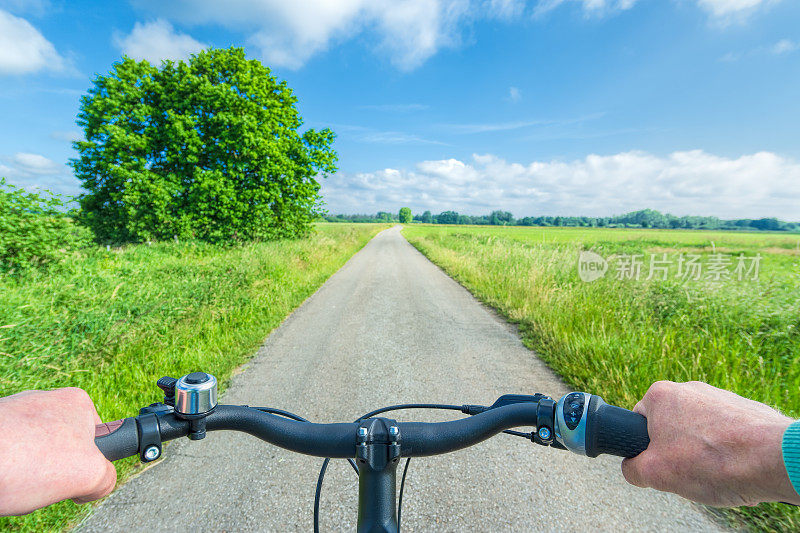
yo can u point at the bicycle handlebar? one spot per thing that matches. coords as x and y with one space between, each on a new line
579 422
323 440
600 429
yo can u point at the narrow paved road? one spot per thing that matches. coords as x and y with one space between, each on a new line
389 327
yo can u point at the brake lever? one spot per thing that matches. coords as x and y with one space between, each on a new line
545 415
505 399
508 399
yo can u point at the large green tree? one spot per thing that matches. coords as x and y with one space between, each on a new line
208 149
405 215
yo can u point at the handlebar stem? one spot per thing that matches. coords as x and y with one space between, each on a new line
377 456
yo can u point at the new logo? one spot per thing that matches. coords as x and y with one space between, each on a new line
591 266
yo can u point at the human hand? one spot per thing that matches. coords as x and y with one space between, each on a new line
711 446
47 451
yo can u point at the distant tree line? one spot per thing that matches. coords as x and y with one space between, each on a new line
380 216
645 218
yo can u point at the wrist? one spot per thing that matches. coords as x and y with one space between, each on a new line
772 476
754 466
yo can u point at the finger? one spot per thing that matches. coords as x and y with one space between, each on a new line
104 486
631 473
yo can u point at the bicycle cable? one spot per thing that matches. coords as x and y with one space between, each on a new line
280 412
400 499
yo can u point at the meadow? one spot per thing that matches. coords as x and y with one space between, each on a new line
113 321
617 334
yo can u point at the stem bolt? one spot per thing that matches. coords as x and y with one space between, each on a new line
362 432
544 433
152 453
394 431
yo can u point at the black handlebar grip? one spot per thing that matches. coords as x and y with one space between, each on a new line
614 430
118 439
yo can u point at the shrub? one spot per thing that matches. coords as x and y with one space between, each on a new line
34 229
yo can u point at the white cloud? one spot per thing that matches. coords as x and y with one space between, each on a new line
396 108
35 171
517 124
784 46
494 126
23 49
67 136
414 30
722 11
34 163
504 9
730 57
727 11
724 8
514 94
395 137
407 32
372 136
35 7
155 41
290 33
590 7
691 182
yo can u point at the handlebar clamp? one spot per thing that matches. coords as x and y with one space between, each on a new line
378 442
545 422
149 437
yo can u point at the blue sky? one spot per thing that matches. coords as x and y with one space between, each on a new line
563 107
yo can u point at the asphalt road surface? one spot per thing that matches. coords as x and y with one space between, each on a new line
389 327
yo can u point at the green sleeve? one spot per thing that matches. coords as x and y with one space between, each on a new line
791 454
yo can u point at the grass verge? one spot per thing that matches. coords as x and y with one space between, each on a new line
614 337
112 322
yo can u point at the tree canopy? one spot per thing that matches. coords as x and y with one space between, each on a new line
208 149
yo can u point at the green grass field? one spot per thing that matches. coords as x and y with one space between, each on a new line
113 322
614 337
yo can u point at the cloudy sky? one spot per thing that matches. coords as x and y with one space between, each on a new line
567 107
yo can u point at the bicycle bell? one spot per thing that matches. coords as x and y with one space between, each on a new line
195 394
